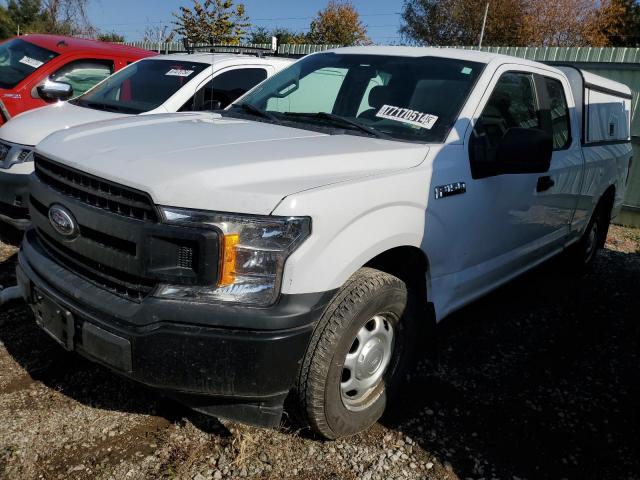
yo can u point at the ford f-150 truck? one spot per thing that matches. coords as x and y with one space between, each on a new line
294 245
162 84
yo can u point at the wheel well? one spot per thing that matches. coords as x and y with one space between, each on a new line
606 204
408 263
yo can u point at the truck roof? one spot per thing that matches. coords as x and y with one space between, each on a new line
217 58
61 44
456 53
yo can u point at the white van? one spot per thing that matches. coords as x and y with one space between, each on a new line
160 84
292 245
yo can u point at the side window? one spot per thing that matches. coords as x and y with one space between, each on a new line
559 114
83 74
326 81
513 104
224 89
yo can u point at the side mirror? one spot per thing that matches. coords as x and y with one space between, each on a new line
524 150
52 91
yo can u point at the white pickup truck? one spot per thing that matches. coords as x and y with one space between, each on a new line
293 245
161 84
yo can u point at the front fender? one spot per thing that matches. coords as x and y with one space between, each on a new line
352 223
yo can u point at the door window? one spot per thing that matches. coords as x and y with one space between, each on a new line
559 114
224 89
83 74
513 104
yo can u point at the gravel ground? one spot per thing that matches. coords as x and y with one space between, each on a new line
537 380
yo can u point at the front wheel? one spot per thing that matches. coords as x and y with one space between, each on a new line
356 355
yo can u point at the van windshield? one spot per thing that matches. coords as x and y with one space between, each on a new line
399 97
140 87
19 59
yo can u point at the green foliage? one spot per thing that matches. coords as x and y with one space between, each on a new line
216 21
62 17
7 27
284 36
112 37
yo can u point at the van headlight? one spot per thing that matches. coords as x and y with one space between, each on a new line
253 251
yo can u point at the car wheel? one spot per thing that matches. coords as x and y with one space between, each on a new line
356 356
583 253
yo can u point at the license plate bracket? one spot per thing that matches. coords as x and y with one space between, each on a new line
57 322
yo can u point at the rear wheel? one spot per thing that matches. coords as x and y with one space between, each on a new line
357 355
582 255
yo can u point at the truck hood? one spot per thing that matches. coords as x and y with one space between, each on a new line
31 127
204 161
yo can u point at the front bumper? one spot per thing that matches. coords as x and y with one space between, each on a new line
234 362
14 195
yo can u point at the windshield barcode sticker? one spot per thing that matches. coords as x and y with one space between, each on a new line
178 72
32 62
408 116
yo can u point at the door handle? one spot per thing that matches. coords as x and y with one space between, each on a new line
544 183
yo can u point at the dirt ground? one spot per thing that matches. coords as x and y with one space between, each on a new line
538 380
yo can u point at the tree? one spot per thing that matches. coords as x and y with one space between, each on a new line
566 23
158 34
64 17
25 12
284 36
214 21
562 23
7 27
618 23
111 37
339 23
459 22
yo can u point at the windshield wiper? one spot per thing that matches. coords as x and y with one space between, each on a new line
100 106
343 121
247 107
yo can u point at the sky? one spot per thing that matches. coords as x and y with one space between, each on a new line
129 17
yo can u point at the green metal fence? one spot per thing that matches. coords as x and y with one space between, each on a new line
284 49
619 64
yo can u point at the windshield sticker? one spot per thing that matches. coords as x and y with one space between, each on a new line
405 115
178 72
32 62
466 71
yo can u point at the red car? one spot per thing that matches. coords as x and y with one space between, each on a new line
38 69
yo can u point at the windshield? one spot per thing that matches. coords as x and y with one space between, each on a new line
141 87
19 59
406 98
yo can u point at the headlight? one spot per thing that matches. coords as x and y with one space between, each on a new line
10 154
253 250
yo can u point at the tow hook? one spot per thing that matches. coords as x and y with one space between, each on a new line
9 293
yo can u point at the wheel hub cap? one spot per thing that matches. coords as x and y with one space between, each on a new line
366 363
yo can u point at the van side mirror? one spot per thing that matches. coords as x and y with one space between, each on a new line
52 91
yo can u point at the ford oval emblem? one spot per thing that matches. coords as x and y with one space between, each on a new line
62 221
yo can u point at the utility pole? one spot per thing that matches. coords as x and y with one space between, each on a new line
484 23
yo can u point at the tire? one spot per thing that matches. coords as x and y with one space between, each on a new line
344 383
581 256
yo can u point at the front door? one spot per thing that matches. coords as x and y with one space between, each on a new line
503 223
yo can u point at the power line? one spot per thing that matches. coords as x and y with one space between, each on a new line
251 19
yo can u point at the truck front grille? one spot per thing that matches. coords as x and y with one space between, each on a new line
95 191
126 285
